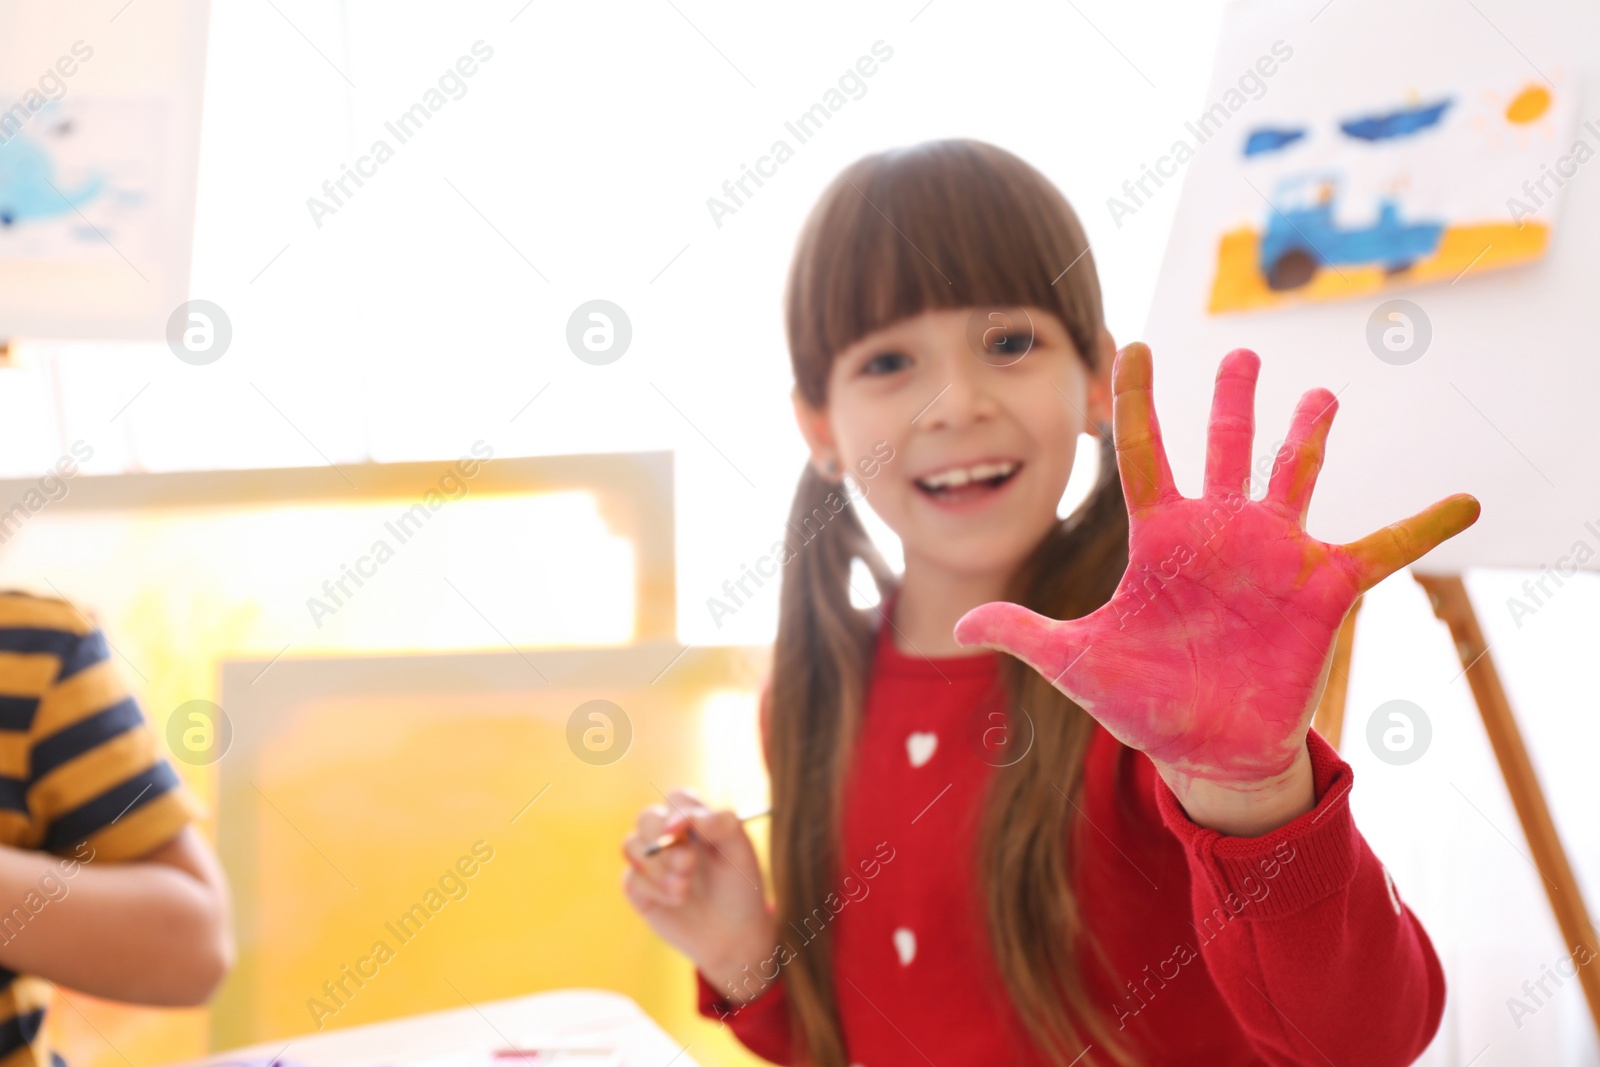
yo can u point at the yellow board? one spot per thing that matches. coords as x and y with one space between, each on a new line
226 562
371 813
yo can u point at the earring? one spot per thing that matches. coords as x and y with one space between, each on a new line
831 467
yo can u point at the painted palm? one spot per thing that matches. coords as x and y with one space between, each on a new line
1212 654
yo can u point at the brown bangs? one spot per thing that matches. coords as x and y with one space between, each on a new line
947 224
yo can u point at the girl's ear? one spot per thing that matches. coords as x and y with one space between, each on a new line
817 433
1099 384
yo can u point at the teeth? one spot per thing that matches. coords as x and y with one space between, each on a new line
956 477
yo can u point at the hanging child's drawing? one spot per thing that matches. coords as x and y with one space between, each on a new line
1420 186
78 180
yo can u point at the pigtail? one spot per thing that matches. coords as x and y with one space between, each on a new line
819 678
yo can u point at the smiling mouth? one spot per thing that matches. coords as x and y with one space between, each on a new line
961 483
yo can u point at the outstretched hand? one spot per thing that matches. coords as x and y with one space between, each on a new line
1211 655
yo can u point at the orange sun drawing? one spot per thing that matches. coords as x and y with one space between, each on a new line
1526 113
1528 105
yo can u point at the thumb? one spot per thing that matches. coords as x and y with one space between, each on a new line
725 835
721 828
1047 645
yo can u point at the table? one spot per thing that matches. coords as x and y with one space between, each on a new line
479 1028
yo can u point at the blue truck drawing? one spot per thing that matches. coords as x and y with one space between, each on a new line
1302 234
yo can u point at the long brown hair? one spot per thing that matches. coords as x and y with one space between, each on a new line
944 224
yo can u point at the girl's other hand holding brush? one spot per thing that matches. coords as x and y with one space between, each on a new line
706 896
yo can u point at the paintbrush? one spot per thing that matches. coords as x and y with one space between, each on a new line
680 836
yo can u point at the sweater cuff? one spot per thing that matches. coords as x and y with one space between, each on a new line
714 1005
1307 859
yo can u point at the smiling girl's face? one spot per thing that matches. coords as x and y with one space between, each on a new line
984 428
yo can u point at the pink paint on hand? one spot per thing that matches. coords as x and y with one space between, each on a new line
1211 655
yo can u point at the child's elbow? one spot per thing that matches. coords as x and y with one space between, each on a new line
207 962
214 965
198 937
203 955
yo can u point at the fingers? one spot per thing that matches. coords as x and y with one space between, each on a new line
1232 430
1294 471
1048 646
644 897
1382 552
719 828
653 822
680 801
720 838
663 878
1141 457
668 878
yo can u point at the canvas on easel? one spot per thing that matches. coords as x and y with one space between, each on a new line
1394 217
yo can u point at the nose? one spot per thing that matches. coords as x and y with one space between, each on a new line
967 396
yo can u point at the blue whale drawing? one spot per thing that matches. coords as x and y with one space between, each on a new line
28 189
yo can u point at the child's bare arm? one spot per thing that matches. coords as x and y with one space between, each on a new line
153 930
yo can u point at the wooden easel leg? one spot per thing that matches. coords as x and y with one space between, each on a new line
1450 603
1329 717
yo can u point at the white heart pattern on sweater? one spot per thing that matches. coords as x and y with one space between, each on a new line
905 946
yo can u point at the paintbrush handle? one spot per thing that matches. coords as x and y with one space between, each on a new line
680 836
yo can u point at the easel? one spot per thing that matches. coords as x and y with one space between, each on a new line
1448 596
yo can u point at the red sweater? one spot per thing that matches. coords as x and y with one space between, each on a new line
1290 948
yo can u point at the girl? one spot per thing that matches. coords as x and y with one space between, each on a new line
1119 843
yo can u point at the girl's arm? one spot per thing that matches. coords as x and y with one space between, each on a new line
1210 658
760 1024
1305 936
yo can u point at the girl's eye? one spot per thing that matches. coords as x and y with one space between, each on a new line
1010 343
886 363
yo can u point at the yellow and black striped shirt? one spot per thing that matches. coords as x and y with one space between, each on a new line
81 776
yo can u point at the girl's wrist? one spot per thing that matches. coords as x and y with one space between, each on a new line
738 983
1246 809
743 973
